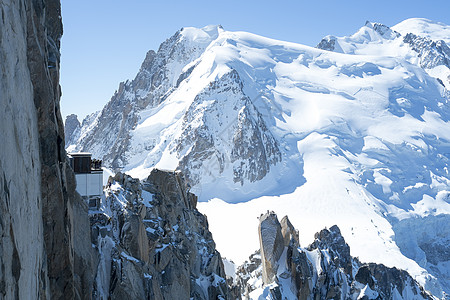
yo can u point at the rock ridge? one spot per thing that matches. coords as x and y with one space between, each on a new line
45 251
282 269
153 243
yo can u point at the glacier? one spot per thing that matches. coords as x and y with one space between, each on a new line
354 133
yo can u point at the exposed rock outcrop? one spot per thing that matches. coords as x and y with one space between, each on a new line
62 220
153 243
71 129
231 120
431 53
271 245
327 43
45 250
323 270
22 257
289 232
383 30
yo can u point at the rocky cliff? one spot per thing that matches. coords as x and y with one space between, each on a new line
72 129
153 243
225 140
281 269
45 250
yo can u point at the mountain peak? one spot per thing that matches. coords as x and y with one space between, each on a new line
425 28
382 30
203 35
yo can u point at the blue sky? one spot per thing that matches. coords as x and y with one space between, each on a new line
105 41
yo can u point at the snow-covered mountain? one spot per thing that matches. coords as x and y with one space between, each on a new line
354 132
418 41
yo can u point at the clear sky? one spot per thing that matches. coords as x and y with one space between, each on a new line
105 41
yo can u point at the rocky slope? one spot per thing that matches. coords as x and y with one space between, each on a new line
153 243
203 138
72 128
281 269
45 250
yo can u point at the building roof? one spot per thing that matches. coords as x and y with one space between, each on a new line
80 154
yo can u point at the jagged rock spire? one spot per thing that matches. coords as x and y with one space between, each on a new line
271 244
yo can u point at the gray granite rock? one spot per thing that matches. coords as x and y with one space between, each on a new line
72 129
157 243
271 245
243 131
45 250
323 270
431 53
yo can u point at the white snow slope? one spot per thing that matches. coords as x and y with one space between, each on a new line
359 136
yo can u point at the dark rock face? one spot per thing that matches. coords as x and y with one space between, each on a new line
328 43
60 203
271 245
323 270
250 269
45 249
383 30
22 259
431 53
153 243
333 239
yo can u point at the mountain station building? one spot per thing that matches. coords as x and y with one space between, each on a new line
89 177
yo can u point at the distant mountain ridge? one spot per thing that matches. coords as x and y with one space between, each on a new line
354 132
420 48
